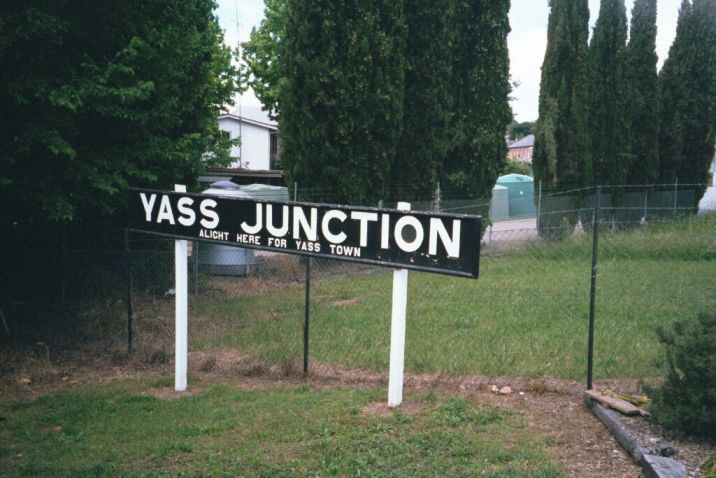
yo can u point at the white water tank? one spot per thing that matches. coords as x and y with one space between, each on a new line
218 259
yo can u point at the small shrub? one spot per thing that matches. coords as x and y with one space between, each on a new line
687 400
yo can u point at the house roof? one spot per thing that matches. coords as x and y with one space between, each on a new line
251 115
527 141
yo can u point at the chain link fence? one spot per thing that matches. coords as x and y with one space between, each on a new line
527 314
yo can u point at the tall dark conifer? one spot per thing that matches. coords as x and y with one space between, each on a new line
561 157
644 98
428 103
672 97
688 97
480 87
342 101
609 96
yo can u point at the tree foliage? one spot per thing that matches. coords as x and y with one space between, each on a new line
688 96
609 123
428 103
372 100
480 88
561 157
518 130
341 101
686 401
644 94
99 96
263 58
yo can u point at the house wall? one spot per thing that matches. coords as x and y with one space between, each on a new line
523 155
255 144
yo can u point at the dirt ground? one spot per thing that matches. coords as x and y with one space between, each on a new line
553 408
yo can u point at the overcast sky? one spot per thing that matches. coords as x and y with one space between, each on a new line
527 41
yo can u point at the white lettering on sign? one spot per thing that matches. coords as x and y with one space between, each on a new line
212 234
148 205
364 218
345 250
308 246
310 228
409 221
385 232
259 222
188 217
452 244
248 239
326 228
271 227
211 218
273 230
165 211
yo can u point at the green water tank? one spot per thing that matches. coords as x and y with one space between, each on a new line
520 194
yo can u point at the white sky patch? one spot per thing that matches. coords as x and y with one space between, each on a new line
526 55
527 41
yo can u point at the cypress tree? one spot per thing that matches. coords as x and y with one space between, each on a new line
561 158
341 103
428 103
608 94
480 85
644 102
688 97
672 95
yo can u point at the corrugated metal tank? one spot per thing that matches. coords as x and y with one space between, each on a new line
218 259
266 192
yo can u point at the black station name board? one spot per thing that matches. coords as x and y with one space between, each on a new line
434 242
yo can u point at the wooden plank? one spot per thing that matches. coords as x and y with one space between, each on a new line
616 403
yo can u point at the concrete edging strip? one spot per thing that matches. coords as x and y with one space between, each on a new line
653 466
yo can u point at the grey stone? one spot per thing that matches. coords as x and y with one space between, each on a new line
662 467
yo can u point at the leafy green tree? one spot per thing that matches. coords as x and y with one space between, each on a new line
263 58
516 167
609 121
341 101
427 106
688 97
518 131
644 94
561 157
480 86
99 96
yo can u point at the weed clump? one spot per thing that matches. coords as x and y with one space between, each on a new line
686 402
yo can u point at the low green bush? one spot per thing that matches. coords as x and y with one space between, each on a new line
686 402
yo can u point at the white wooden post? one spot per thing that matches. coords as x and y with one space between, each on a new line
397 331
181 319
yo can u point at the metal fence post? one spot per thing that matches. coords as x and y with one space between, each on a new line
195 250
539 203
130 311
438 199
676 195
593 288
306 312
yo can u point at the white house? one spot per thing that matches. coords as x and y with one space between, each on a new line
258 150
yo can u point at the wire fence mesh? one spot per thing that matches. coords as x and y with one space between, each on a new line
526 315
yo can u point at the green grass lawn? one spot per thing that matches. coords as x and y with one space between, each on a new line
527 314
118 430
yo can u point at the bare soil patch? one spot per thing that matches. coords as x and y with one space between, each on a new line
381 409
553 408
